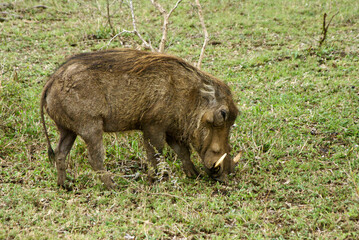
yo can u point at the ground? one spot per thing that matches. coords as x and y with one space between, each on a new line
298 127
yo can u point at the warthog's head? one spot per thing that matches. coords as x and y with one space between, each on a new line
212 134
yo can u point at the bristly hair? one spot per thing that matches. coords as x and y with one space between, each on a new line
147 61
137 62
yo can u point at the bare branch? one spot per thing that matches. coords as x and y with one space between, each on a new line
147 44
117 35
159 7
206 38
166 17
134 31
178 2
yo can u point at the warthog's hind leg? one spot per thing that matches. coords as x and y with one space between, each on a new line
67 139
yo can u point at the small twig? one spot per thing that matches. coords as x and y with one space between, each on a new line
166 17
41 7
133 176
325 28
206 38
109 16
117 35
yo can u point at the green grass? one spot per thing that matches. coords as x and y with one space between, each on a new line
298 129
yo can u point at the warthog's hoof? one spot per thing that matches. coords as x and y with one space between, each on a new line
191 172
108 182
68 186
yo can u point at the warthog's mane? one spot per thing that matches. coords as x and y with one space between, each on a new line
128 60
132 61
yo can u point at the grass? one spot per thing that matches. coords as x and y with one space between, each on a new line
298 129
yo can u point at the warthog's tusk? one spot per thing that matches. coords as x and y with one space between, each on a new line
220 160
236 158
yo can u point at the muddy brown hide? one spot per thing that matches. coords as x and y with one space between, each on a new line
169 100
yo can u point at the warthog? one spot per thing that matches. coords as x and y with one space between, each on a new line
166 98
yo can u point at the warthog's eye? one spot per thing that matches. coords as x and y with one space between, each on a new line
224 114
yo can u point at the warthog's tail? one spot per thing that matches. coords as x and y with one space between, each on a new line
50 151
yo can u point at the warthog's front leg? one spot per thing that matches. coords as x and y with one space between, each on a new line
93 139
184 155
154 141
